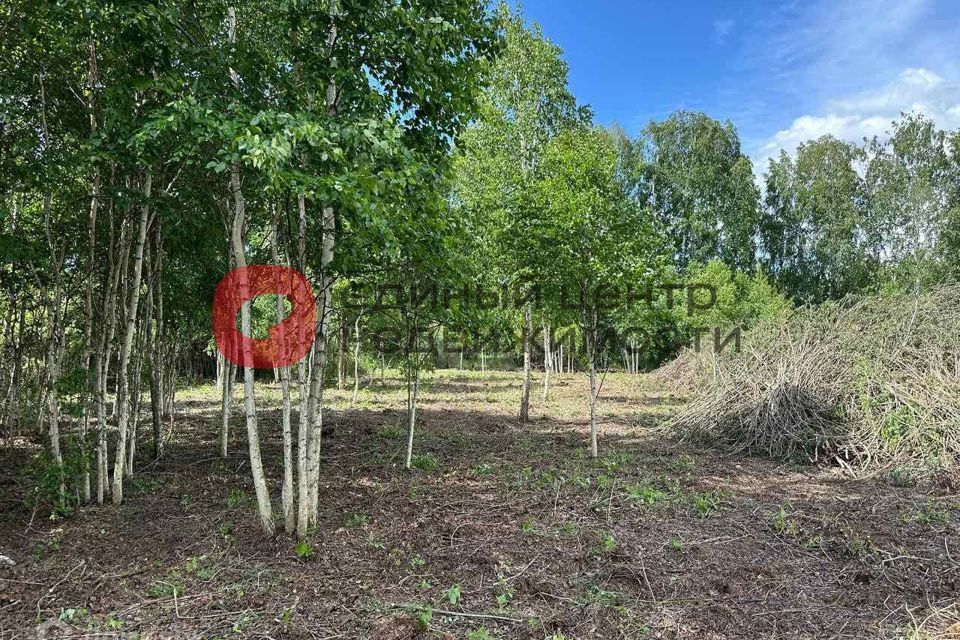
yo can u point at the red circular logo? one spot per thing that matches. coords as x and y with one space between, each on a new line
289 341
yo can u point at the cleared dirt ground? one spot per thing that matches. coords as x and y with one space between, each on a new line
506 531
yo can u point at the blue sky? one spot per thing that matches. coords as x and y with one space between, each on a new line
783 72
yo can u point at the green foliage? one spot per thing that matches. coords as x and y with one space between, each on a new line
453 595
707 503
357 520
426 462
304 550
238 499
700 183
742 300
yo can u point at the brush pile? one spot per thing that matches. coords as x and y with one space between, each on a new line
869 383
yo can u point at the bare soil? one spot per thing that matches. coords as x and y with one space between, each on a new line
506 531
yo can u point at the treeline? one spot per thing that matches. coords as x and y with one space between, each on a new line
147 150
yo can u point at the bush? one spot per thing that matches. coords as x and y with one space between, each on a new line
870 383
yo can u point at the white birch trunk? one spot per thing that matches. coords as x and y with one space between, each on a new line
525 391
264 507
123 372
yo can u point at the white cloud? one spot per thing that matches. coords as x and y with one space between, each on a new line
722 29
870 113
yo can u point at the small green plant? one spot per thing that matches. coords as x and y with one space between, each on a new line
192 565
426 462
482 470
304 550
676 544
706 503
417 562
78 616
901 477
597 595
453 595
237 499
683 463
480 633
528 527
644 494
929 513
424 617
392 433
145 486
164 589
608 544
357 520
114 623
782 523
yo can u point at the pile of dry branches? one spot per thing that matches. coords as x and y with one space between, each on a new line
867 383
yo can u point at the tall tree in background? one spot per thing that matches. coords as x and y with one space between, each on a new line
701 186
913 190
525 103
592 238
812 238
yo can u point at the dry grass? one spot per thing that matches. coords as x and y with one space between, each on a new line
871 384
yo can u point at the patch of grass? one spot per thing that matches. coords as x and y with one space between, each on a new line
426 462
144 486
417 562
644 494
480 633
930 514
392 433
237 499
165 589
707 503
357 520
528 527
567 528
683 463
676 545
481 470
783 524
602 597
901 477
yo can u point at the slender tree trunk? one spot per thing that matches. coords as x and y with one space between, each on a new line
154 325
226 392
590 337
525 392
547 363
123 373
356 358
135 405
54 354
226 405
413 384
303 385
264 507
328 243
102 360
287 497
342 353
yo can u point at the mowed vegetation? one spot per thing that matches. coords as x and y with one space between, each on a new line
499 531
